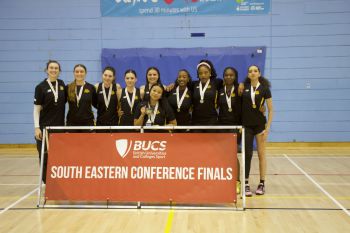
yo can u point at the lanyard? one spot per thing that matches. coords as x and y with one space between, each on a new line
152 115
202 90
55 92
228 98
80 93
179 100
252 93
106 100
132 101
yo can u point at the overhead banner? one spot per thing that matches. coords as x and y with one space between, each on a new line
170 60
149 167
124 8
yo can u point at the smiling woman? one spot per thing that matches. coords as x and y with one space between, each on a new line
49 105
107 102
81 96
155 111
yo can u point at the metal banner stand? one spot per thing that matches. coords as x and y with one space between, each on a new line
139 205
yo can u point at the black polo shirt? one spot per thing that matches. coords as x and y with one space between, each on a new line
107 116
205 113
82 115
252 116
127 119
226 117
52 114
163 116
183 117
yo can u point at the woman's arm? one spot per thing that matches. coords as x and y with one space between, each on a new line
36 115
270 116
139 121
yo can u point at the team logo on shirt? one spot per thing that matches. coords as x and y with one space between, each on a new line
257 93
62 88
233 95
86 91
112 93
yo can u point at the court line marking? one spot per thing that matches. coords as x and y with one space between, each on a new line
317 185
335 184
18 184
19 200
169 222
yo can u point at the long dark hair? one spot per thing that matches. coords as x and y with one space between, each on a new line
189 78
235 82
264 81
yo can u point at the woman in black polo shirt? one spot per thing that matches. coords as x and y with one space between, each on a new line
229 103
180 98
155 111
49 105
107 102
256 92
205 92
129 98
81 98
152 77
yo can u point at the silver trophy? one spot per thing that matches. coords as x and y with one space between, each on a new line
149 114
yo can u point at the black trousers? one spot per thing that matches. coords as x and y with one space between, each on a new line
38 147
249 140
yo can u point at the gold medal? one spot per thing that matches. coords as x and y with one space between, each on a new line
178 110
254 106
202 101
230 109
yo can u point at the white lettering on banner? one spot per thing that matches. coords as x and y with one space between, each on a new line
66 172
106 172
214 173
163 173
150 145
141 149
142 173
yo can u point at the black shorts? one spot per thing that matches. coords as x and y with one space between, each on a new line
257 129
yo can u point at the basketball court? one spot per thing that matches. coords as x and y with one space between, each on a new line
307 190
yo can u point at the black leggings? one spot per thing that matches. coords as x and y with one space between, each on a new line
250 133
38 147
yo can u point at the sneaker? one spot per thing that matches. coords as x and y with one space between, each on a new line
248 193
238 187
260 190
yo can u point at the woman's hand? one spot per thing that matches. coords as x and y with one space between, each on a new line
266 133
38 134
120 112
143 111
240 89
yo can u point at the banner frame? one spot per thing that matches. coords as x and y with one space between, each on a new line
139 206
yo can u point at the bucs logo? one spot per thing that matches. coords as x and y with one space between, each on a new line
122 147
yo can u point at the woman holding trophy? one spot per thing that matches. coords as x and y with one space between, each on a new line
156 110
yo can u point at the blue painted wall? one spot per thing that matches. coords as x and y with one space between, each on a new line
308 56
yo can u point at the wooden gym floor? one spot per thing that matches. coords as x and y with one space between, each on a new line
307 190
